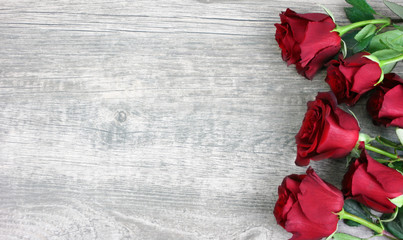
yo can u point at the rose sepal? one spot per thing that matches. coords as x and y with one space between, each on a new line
387 59
399 133
398 201
374 58
362 137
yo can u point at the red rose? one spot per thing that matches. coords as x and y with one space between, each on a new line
351 77
307 40
298 210
326 131
373 183
386 105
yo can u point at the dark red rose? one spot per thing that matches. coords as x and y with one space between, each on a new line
307 40
351 77
372 183
307 206
386 104
326 131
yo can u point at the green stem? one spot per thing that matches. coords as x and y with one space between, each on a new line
344 29
376 228
391 60
346 215
380 151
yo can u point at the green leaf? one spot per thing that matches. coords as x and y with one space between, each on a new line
360 11
362 5
349 42
355 208
392 45
388 143
362 45
344 236
399 133
356 15
365 32
388 68
398 166
398 27
396 226
383 55
398 201
380 41
396 8
364 37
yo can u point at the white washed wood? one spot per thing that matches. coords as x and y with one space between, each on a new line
149 119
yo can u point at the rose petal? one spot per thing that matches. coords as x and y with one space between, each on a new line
397 122
313 190
363 184
304 229
335 137
345 120
318 37
366 77
390 179
392 106
317 63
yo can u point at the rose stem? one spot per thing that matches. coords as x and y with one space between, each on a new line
380 151
346 215
344 29
391 60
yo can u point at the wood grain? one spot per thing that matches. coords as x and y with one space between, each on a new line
149 119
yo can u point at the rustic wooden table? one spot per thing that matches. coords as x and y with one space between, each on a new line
150 119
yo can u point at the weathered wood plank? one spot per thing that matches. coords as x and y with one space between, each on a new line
148 120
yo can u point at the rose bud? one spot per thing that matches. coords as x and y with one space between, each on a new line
307 40
386 104
351 77
373 184
326 131
307 206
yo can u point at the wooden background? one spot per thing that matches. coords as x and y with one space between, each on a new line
163 119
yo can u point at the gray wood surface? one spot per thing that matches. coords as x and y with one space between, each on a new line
150 119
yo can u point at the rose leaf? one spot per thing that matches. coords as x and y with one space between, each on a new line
396 8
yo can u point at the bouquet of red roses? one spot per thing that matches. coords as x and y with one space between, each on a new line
359 58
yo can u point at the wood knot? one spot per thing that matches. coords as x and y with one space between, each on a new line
121 116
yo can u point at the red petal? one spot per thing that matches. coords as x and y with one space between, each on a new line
313 190
346 121
336 138
318 37
366 77
317 17
397 122
366 189
348 72
392 106
303 229
390 179
298 28
317 63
